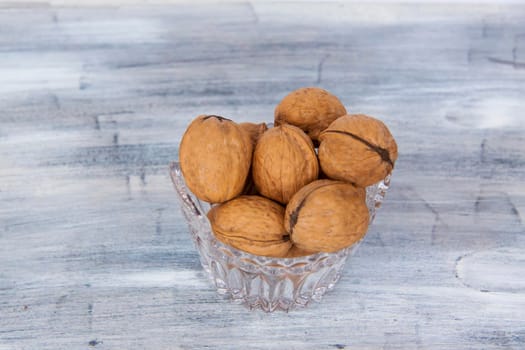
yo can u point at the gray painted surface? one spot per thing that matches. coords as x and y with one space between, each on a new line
93 101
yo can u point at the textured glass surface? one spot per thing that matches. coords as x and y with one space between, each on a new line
262 282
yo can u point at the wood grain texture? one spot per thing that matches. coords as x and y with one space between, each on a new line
93 101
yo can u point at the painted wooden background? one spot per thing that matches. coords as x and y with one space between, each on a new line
93 102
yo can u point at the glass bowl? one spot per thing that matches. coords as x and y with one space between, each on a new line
263 282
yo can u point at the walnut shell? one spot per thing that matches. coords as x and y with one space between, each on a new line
296 252
327 216
311 109
253 224
357 148
284 160
215 157
254 130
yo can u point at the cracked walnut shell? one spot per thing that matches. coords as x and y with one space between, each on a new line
215 157
311 109
327 216
284 160
253 224
358 149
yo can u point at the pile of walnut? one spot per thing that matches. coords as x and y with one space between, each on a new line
275 193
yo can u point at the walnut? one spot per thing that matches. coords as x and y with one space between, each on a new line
311 109
253 224
357 148
326 216
296 252
254 130
215 157
284 160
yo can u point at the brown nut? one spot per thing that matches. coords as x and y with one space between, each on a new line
327 216
284 160
296 252
215 157
253 224
357 148
254 130
311 109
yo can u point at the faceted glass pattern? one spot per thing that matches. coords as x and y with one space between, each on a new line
263 282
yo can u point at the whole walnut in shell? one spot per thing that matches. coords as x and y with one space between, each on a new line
357 148
215 157
327 216
311 109
251 223
284 160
